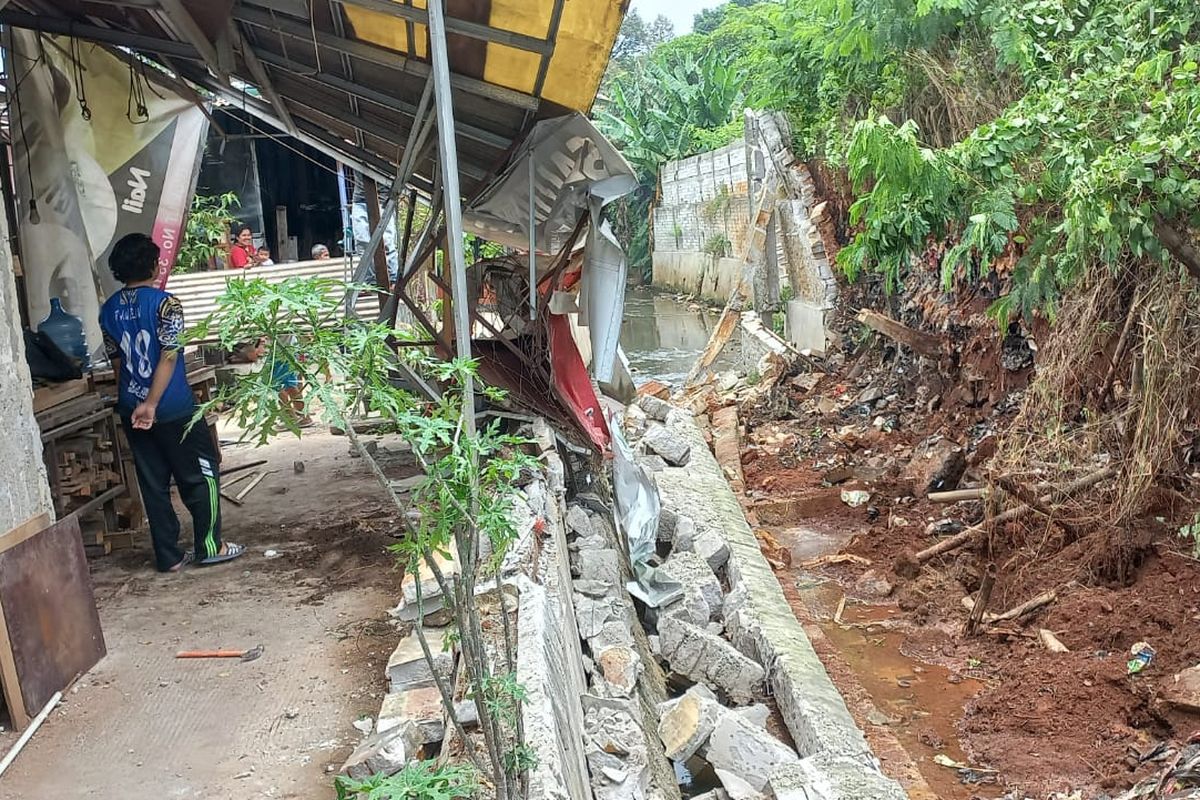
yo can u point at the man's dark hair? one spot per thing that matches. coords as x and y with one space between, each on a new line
134 258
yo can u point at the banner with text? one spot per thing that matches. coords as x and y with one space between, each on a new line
102 149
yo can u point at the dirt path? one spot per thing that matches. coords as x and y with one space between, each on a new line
145 726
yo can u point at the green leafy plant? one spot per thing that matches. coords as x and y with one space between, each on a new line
419 780
461 508
207 228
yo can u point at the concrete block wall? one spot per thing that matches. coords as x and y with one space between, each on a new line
24 489
703 196
706 196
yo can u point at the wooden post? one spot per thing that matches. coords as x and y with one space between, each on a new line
981 600
371 190
281 235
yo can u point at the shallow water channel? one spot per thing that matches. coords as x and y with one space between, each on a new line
662 335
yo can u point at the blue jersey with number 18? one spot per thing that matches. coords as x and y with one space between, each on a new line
139 324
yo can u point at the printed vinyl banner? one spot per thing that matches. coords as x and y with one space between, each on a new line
104 149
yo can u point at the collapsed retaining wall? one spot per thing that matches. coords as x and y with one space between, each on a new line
836 760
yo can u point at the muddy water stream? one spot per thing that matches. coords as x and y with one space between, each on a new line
662 335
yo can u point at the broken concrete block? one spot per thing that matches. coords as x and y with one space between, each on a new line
593 613
407 667
691 607
467 713
615 633
1183 689
758 714
935 466
666 524
709 659
652 463
431 591
715 794
601 565
685 724
616 750
577 521
827 776
710 545
673 449
592 588
736 787
385 752
618 670
422 707
740 747
655 408
690 569
684 538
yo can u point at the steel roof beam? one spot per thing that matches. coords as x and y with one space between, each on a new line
462 27
94 33
190 30
370 129
259 73
304 72
294 29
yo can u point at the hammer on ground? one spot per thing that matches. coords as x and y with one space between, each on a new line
244 655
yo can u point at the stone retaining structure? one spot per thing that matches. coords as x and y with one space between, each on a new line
836 760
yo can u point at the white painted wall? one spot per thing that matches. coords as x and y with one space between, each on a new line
24 489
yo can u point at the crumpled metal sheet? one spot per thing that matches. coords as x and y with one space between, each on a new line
638 508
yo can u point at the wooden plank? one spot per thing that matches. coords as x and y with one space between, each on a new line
23 531
51 631
46 397
924 343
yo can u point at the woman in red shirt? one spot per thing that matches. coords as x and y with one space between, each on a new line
242 255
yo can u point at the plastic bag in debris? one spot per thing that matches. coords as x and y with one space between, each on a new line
1179 780
638 506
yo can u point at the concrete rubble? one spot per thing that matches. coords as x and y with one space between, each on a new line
385 752
597 713
659 440
407 667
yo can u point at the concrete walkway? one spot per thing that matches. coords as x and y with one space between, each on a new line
145 726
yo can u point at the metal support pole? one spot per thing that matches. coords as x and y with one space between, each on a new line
452 195
408 164
532 239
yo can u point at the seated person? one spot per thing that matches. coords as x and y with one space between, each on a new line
320 252
263 259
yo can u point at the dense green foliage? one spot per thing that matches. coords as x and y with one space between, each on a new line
1042 136
207 227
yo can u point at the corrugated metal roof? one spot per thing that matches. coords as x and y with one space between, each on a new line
347 75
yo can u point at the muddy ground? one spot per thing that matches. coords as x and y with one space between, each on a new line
1027 721
143 725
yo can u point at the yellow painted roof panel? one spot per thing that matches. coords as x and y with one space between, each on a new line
587 30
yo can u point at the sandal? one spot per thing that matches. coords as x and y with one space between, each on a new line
232 551
187 559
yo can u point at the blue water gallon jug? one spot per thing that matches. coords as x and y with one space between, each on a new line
67 332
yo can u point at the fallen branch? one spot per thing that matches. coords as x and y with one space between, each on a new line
1177 244
924 343
1118 354
1031 499
979 607
1033 604
959 539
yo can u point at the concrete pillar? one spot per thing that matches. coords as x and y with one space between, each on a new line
24 489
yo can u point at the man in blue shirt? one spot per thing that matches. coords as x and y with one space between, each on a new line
142 325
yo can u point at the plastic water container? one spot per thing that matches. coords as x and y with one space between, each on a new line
67 332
